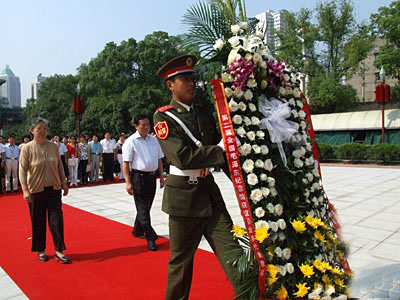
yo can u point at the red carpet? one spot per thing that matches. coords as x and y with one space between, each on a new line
108 263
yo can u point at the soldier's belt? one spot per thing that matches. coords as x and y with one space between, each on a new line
192 174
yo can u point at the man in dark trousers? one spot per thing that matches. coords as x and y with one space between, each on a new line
191 197
107 157
141 156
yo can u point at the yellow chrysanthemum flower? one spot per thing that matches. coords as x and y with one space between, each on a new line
303 290
319 265
238 231
311 221
319 223
327 266
307 270
281 293
262 234
326 279
319 236
272 270
299 226
339 282
336 271
272 280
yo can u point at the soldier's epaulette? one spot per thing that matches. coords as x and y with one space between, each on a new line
164 108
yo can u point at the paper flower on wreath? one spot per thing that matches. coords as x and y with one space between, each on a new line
276 112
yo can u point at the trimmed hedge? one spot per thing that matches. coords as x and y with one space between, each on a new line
357 152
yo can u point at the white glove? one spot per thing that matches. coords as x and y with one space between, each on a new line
222 145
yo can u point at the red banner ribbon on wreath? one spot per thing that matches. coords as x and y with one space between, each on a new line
332 210
233 157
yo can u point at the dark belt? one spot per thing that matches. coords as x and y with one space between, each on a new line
144 173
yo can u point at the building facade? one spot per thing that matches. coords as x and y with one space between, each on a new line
10 91
270 22
36 86
367 78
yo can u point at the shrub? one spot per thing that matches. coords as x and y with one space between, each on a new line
352 151
326 151
384 152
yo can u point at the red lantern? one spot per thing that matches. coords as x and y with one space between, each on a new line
78 105
382 93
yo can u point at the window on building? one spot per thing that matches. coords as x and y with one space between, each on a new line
376 54
377 77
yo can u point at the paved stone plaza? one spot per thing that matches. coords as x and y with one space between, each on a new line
367 200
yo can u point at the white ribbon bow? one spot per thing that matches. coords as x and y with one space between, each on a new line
276 112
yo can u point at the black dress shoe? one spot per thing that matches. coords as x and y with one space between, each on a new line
43 257
152 245
62 259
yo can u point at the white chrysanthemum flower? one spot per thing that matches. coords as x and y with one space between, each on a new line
234 41
305 181
261 224
247 121
265 191
248 166
242 106
252 107
303 125
248 95
289 90
259 212
268 165
281 236
293 77
296 93
240 131
302 114
310 177
271 181
286 253
309 147
294 113
238 92
271 208
330 290
252 179
290 268
256 196
278 251
245 149
259 163
282 91
278 209
281 224
226 77
233 106
235 29
218 45
237 119
251 135
286 77
251 83
300 103
255 121
321 199
263 177
229 92
264 149
315 172
298 163
307 193
274 192
256 149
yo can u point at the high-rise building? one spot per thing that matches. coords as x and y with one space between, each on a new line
36 86
11 89
271 22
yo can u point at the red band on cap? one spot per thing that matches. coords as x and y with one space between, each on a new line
177 69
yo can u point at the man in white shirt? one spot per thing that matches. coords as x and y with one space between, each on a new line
141 154
12 157
107 157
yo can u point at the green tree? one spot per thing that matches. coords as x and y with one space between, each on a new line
385 24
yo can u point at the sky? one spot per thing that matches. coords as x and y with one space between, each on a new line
57 36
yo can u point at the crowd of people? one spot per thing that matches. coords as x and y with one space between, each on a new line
84 159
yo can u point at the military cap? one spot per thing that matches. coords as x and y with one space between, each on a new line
183 64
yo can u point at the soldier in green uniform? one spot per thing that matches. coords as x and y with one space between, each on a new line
188 137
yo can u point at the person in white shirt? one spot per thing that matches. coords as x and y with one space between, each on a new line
142 154
63 151
108 145
12 157
27 139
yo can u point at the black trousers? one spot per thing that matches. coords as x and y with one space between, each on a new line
83 175
66 171
108 165
47 201
144 190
